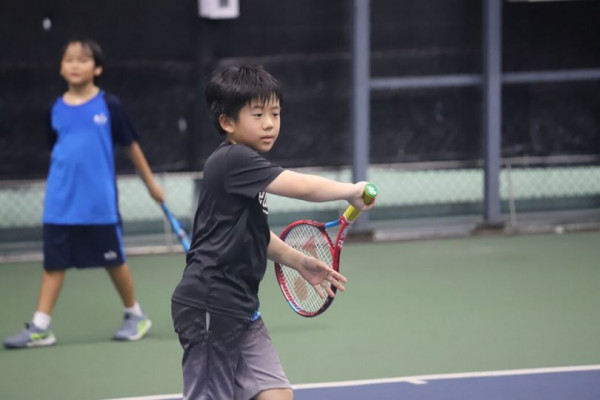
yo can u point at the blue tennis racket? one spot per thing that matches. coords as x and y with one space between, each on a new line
177 229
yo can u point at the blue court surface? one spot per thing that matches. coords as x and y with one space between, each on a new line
568 383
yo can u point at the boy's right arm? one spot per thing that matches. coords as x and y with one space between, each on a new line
317 189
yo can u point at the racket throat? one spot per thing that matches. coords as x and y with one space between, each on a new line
342 234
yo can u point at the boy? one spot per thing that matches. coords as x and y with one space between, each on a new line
228 353
81 218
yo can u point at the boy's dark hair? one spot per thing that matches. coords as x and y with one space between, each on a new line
232 87
90 44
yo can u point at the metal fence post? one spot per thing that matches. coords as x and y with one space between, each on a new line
361 98
492 110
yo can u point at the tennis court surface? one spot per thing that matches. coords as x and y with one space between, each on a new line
507 317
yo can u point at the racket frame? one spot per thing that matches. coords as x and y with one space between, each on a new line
344 221
335 248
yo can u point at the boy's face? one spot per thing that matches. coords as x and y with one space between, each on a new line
257 125
78 66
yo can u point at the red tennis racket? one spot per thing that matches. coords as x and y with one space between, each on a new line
312 239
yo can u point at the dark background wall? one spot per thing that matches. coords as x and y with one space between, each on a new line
159 53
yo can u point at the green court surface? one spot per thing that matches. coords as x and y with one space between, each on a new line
411 308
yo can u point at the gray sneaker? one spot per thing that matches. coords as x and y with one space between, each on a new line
31 336
133 328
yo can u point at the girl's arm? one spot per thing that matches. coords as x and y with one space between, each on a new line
318 189
141 165
316 272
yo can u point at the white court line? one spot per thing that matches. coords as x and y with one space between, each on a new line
175 396
415 380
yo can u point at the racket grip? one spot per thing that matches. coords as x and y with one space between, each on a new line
369 195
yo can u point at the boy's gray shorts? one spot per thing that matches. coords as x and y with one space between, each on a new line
225 358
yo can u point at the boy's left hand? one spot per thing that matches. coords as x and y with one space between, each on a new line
320 276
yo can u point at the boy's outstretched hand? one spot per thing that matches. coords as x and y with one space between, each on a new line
357 199
321 276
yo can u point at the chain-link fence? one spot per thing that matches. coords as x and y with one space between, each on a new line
421 190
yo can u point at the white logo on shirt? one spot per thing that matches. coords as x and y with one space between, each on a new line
110 255
100 119
262 199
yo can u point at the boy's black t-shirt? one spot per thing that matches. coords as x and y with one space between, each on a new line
228 256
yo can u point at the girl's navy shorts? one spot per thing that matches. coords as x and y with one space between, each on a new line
82 246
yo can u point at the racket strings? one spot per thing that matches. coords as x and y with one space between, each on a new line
313 242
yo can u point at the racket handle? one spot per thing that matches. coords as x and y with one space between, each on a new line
369 195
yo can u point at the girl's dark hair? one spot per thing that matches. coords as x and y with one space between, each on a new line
92 45
232 87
